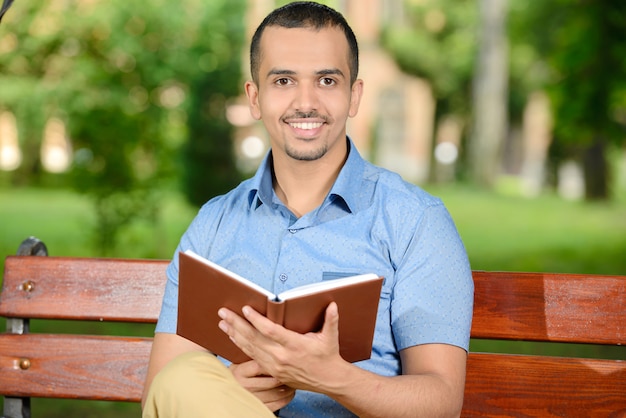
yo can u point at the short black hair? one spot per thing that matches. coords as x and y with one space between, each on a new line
305 14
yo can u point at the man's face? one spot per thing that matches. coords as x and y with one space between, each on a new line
304 96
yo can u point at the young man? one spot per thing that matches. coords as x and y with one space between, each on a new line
316 210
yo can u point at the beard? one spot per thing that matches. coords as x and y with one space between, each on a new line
311 154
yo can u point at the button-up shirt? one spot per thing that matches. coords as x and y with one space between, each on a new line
371 221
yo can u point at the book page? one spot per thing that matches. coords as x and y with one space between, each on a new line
325 285
232 274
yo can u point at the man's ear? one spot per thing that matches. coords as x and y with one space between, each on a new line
252 92
355 97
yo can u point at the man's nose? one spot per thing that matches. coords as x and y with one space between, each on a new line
307 97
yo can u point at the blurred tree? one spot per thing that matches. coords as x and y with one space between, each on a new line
574 49
5 6
490 92
209 167
582 44
124 77
438 42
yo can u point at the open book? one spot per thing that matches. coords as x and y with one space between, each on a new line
205 287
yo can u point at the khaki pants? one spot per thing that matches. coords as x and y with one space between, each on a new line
197 385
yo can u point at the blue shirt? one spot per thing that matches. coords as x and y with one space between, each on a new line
371 222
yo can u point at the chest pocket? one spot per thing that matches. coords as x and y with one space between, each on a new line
333 275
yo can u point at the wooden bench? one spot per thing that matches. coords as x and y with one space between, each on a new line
564 308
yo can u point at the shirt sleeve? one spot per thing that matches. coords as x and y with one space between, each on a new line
434 290
196 238
169 307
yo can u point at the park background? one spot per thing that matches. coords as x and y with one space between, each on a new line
119 118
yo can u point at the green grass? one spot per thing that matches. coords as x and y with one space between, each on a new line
544 234
500 233
65 221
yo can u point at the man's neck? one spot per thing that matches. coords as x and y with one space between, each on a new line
303 185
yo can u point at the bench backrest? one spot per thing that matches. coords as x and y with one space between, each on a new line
508 306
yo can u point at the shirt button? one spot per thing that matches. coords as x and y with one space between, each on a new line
293 231
283 277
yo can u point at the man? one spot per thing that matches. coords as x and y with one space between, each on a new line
316 210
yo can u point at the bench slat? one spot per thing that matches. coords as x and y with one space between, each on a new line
509 306
112 368
550 307
532 386
82 288
74 366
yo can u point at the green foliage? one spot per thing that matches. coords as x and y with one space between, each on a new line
209 167
581 47
574 50
126 78
438 42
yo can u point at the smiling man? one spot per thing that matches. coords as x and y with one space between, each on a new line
303 93
316 210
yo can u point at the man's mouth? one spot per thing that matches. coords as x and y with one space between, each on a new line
306 125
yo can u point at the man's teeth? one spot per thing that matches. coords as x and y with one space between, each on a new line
306 125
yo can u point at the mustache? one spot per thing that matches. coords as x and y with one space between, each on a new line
306 115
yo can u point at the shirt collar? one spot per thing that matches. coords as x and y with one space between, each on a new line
344 191
261 191
347 186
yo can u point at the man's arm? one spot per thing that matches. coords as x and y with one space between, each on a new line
431 385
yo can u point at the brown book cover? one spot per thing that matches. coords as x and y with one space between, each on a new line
204 287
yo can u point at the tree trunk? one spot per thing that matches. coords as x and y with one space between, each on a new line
596 171
490 93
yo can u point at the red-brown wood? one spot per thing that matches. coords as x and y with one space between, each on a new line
514 306
501 385
74 366
550 307
83 288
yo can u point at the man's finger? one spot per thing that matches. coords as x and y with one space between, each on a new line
331 322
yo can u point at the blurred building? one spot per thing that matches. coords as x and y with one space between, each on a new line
394 127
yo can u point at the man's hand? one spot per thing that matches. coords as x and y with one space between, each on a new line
268 389
301 361
431 384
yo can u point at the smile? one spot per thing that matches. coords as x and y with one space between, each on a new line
305 125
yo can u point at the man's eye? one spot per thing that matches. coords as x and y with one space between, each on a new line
282 81
326 81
